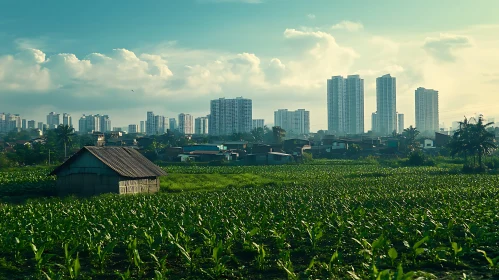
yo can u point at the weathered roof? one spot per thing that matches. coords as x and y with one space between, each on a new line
127 162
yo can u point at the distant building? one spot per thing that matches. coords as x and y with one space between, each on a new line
31 124
258 123
201 126
105 123
185 124
10 122
89 124
386 104
117 129
374 122
133 128
53 120
40 126
345 104
142 126
294 122
23 125
400 122
155 124
67 120
229 116
150 124
173 124
427 120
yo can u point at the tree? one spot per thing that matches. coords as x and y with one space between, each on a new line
65 135
278 134
409 139
473 140
258 134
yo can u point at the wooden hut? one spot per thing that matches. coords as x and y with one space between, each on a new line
98 170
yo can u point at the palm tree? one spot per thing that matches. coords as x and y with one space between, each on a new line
278 133
65 135
473 139
410 135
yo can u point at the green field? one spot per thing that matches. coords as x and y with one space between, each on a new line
336 220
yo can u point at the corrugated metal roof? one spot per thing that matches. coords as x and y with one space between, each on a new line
125 161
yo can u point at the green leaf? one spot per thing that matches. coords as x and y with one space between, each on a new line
420 242
392 253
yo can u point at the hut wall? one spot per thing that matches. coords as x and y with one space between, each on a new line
143 185
87 184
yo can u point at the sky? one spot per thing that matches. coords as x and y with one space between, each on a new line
124 58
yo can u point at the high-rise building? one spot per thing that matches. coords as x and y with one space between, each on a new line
258 123
386 103
31 124
160 125
336 104
185 124
67 120
89 124
142 126
354 105
10 122
173 124
23 126
53 120
228 116
427 110
150 123
104 124
374 122
294 122
400 123
201 125
345 104
133 128
40 126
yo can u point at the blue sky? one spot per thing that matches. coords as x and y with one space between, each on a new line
177 55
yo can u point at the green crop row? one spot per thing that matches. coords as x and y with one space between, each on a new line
324 222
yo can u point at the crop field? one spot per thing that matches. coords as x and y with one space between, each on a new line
340 221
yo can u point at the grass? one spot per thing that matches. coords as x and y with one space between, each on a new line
178 182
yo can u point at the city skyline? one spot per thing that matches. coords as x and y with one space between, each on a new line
286 61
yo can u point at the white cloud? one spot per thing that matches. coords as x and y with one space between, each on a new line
311 16
444 47
348 26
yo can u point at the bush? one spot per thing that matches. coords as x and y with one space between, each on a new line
418 158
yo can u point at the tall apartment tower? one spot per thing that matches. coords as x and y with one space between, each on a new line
53 120
386 103
201 126
228 116
150 123
427 120
133 128
258 123
104 124
23 125
400 123
142 126
345 101
67 120
31 124
294 122
89 124
185 124
173 124
336 105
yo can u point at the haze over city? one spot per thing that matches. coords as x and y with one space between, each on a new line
172 57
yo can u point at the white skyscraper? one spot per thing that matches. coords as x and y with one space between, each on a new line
345 101
228 116
427 120
386 102
185 124
201 125
133 128
336 105
258 123
104 124
67 120
294 122
53 120
89 124
142 126
173 124
400 123
150 124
